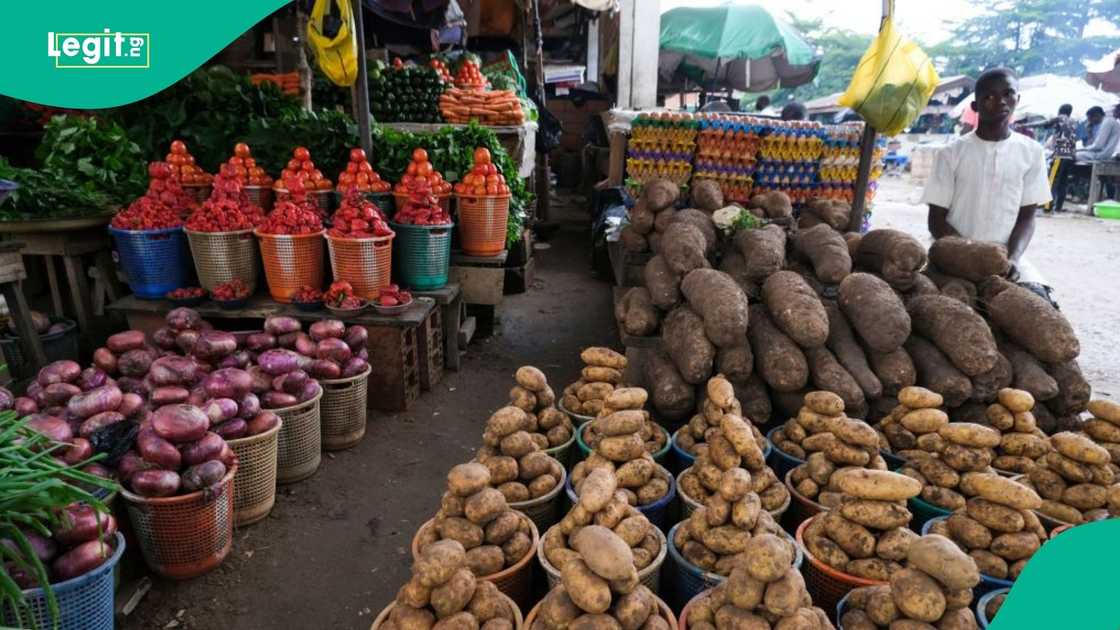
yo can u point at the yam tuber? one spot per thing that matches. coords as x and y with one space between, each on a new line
826 250
672 397
637 313
683 246
682 336
707 195
875 312
719 301
894 369
1030 375
969 259
1032 322
763 249
842 342
700 221
956 330
937 373
778 359
663 283
796 309
1073 390
660 194
829 375
894 255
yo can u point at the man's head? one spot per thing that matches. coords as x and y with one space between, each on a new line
762 103
794 111
997 94
1095 115
1065 110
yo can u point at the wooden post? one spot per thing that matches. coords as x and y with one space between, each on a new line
361 85
543 187
304 69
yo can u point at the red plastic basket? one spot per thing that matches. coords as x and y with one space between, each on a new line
366 263
826 585
801 508
482 224
291 261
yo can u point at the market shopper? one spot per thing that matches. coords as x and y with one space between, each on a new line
1106 141
1063 145
986 185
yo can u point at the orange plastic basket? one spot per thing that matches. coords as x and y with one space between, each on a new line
518 623
662 608
290 262
826 585
482 224
185 536
366 263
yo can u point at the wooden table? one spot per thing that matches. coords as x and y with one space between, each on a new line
1108 169
450 300
11 272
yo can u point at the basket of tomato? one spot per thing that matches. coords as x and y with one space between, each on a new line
318 188
291 240
483 207
256 183
220 233
232 294
360 175
308 299
419 172
190 175
149 236
424 241
361 246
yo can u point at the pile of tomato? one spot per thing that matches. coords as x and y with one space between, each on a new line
392 295
235 289
227 210
341 295
419 173
469 76
422 208
307 294
484 179
183 168
244 168
295 215
358 217
301 166
162 206
441 69
360 175
186 293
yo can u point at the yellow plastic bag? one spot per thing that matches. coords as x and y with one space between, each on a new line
338 55
893 82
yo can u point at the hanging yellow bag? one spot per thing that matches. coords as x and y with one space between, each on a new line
330 32
893 82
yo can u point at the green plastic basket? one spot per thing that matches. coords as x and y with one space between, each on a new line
923 511
1107 209
423 255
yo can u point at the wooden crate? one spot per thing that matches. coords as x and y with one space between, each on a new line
431 350
520 279
394 382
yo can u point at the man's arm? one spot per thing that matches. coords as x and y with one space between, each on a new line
1020 237
938 222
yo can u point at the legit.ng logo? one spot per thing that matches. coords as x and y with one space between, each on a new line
108 49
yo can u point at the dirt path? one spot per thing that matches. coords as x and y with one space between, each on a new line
1077 254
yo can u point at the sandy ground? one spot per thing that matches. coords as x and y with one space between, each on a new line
1076 253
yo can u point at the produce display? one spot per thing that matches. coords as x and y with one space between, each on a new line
487 107
661 146
163 206
708 417
547 426
519 468
358 217
441 68
839 163
186 293
484 179
998 527
183 167
422 207
764 589
649 218
934 590
476 516
360 175
307 295
602 504
828 441
242 166
726 154
301 168
469 77
177 453
341 295
421 176
1021 442
651 434
867 535
405 93
443 587
1076 480
1102 426
602 372
600 588
295 215
228 209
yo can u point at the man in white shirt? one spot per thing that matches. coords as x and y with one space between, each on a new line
987 184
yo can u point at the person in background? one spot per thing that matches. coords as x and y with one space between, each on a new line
761 103
987 184
1086 129
1063 145
794 111
1106 140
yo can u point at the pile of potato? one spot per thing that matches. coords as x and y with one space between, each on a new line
444 592
601 503
651 433
964 447
1022 442
1075 480
763 591
903 437
620 446
519 469
599 589
867 535
933 591
733 446
708 417
477 517
997 526
1104 426
602 372
833 441
547 425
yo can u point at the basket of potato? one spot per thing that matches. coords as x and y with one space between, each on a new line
600 590
601 374
1104 426
1076 480
1021 442
933 591
528 477
444 592
600 503
764 590
654 436
549 427
687 440
988 605
811 431
863 541
997 528
499 541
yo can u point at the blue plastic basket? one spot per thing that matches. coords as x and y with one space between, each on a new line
84 602
778 459
982 606
681 459
423 254
585 450
155 261
987 583
657 512
841 608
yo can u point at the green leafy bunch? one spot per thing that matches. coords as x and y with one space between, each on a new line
97 153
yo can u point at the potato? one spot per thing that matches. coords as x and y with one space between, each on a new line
970 434
880 606
1079 448
968 532
1107 410
895 543
484 506
557 609
454 595
783 596
966 458
604 552
1061 512
414 594
438 562
1085 496
621 448
1023 444
635 473
603 357
652 491
855 619
1072 471
944 561
740 619
620 422
632 610
938 472
917 595
408 618
826 551
876 484
744 590
699 555
871 569
853 538
590 592
467 479
597 490
1006 492
924 420
995 516
875 514
745 512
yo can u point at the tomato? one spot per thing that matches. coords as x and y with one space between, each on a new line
357 155
419 155
307 166
482 155
301 154
424 169
178 147
411 169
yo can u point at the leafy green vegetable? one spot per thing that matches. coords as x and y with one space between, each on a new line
328 135
43 195
97 153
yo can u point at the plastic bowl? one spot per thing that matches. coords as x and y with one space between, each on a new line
346 312
231 305
308 307
390 311
191 301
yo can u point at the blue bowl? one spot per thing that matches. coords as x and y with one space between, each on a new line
231 305
778 459
982 606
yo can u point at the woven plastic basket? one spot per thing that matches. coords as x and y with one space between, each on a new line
515 581
650 576
223 256
423 255
298 451
518 622
366 263
260 196
482 224
84 602
155 261
291 262
690 505
184 536
198 192
545 509
342 411
987 583
982 606
779 460
662 608
801 508
254 487
826 585
657 512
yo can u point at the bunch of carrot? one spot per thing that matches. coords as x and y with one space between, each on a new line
288 83
488 107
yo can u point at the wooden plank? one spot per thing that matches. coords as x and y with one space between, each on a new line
394 380
444 295
519 279
28 337
460 259
262 306
79 290
481 285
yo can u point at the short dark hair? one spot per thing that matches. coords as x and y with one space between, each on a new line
1095 110
1065 110
794 111
988 76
